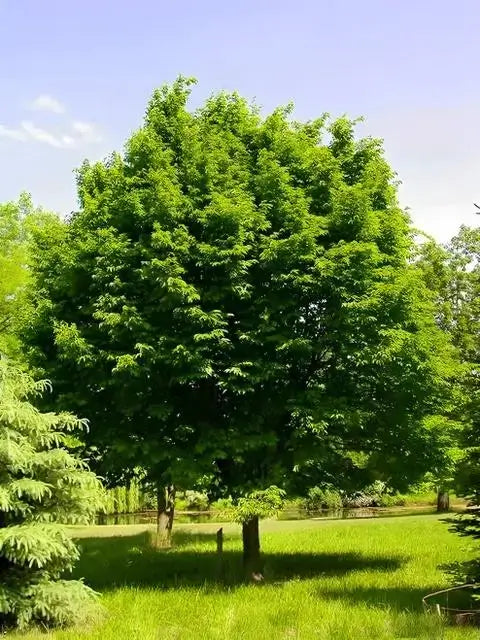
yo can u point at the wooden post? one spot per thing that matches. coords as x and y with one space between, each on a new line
220 541
220 568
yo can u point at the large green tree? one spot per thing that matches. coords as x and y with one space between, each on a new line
234 301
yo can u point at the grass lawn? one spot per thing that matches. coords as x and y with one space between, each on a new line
342 580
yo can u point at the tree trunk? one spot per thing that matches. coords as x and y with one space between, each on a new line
252 561
171 506
165 514
443 501
5 564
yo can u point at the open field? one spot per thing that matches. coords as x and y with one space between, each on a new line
325 580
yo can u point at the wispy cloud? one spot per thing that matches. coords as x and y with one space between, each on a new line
74 133
41 135
45 102
68 141
13 134
86 131
78 135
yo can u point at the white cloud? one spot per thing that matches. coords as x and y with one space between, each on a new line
68 141
73 135
84 128
79 135
45 102
41 135
86 131
13 134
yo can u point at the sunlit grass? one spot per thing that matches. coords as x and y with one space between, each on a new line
325 580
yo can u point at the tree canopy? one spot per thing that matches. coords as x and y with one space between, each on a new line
18 221
235 302
453 273
13 259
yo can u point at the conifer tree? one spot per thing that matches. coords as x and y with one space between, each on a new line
41 485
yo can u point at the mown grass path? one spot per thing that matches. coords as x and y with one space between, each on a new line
330 580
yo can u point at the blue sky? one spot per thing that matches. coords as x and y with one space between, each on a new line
75 78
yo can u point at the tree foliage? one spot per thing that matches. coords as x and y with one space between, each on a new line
260 504
41 484
13 258
18 221
234 302
454 274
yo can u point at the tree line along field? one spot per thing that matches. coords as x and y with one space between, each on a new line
240 308
324 580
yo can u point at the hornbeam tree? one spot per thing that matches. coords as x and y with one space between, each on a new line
234 300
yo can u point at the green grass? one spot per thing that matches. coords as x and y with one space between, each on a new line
336 580
429 498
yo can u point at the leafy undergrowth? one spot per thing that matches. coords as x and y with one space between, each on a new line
335 580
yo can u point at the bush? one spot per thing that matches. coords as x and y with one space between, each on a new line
370 496
147 498
123 499
259 504
323 498
294 504
393 500
193 501
375 495
222 505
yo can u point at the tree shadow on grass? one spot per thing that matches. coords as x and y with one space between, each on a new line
107 563
397 598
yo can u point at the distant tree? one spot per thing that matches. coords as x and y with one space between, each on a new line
452 273
12 268
455 278
234 302
468 476
18 219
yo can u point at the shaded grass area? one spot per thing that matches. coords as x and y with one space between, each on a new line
325 580
108 563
